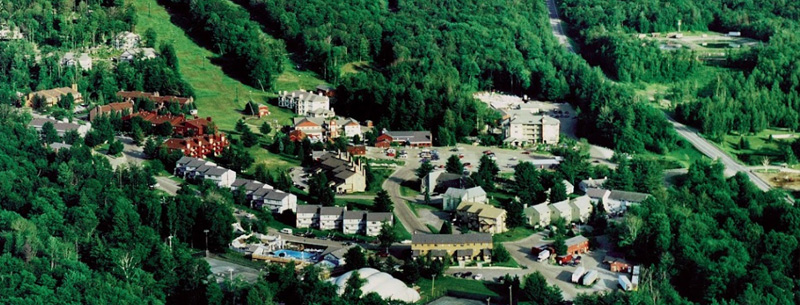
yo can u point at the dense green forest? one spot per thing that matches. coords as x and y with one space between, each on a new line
759 87
425 58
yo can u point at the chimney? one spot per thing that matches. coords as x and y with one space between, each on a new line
155 94
74 87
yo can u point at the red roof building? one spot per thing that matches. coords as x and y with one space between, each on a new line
156 119
297 135
263 110
122 108
199 146
195 127
160 101
357 150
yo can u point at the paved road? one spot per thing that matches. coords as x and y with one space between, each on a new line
401 209
708 149
168 185
556 24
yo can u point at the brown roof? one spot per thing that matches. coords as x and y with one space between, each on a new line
115 107
154 97
157 119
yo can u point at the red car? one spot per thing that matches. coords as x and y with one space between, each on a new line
467 164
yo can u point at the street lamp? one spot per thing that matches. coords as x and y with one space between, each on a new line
206 231
433 283
488 301
510 299
170 241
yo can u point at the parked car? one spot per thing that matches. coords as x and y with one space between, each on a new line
467 164
461 156
457 274
286 231
466 274
478 276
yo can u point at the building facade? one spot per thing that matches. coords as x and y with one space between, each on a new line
199 146
347 175
470 246
454 196
522 128
304 102
404 138
123 108
51 97
481 217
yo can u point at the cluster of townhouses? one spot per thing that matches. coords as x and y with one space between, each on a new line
344 174
259 194
51 97
471 208
318 129
461 247
339 218
572 210
129 43
613 201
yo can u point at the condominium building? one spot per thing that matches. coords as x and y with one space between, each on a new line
463 247
305 103
524 127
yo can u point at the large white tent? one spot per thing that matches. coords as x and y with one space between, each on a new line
381 283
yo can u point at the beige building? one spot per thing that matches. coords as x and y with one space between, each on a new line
51 97
345 175
462 247
538 215
524 127
573 210
482 217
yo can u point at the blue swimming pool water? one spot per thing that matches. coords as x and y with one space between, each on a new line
294 254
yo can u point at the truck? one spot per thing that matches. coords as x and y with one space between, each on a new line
576 276
589 278
564 259
625 283
543 255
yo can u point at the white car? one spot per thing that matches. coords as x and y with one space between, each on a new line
478 276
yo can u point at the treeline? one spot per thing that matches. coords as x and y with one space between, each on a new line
225 28
764 93
425 58
70 24
631 60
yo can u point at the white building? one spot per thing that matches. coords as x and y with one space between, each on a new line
572 210
354 222
275 200
221 176
330 218
141 53
126 40
375 222
454 196
305 103
83 61
598 195
620 201
61 127
523 127
569 187
538 215
307 216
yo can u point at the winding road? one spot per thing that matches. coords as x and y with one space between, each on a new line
401 209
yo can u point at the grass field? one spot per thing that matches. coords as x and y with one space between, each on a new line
216 92
676 158
760 145
443 284
513 234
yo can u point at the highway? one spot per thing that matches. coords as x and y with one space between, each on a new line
708 149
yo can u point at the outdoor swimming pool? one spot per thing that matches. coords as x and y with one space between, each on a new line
294 254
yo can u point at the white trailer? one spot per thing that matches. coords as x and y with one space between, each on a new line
625 283
589 278
544 255
576 276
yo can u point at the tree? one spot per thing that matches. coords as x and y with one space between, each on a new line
150 148
487 173
150 38
454 165
72 137
249 138
387 236
559 245
383 203
369 175
536 290
424 169
163 129
447 228
357 139
500 254
115 147
319 190
236 158
527 185
265 128
137 134
49 133
240 126
558 192
354 259
170 56
66 102
260 294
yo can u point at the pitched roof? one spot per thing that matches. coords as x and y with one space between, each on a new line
593 183
628 196
561 207
261 192
582 202
185 160
307 208
217 171
59 126
57 92
276 195
253 185
541 209
464 252
491 211
596 193
379 217
410 136
354 214
470 192
575 240
239 182
422 238
328 211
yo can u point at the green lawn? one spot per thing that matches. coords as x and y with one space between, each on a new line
381 174
434 230
760 145
408 192
677 158
356 204
400 231
216 93
443 284
354 67
513 234
276 163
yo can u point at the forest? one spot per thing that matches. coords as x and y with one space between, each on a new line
754 88
420 61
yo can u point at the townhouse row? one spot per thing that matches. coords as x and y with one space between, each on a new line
339 218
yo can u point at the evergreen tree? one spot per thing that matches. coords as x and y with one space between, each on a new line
558 192
527 184
383 203
265 128
387 236
447 228
354 259
240 126
500 254
49 134
454 165
352 291
249 138
137 134
319 190
115 148
150 148
424 169
559 245
536 290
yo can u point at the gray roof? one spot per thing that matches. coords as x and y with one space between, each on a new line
464 252
379 216
253 186
307 208
628 196
261 192
59 126
60 146
575 240
470 192
596 193
354 214
239 182
451 238
411 136
185 160
524 116
331 211
198 162
276 195
216 171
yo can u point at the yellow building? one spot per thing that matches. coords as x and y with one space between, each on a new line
461 247
52 96
482 217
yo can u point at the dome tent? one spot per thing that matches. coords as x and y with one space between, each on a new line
381 283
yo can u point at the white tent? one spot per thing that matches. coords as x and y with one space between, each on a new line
381 283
